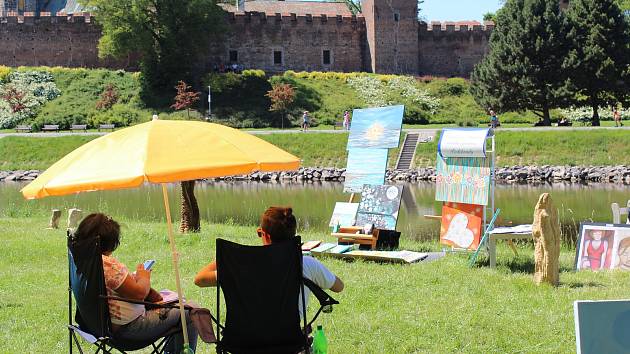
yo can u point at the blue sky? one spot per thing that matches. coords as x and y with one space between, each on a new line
457 10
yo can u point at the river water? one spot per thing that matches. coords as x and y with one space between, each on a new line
313 203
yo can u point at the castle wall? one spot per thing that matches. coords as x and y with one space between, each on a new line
69 41
450 50
301 40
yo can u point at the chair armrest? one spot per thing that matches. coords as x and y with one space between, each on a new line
322 296
146 303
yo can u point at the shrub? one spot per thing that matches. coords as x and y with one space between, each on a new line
4 73
109 97
454 87
23 94
120 114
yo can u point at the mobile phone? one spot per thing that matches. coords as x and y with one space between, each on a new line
149 263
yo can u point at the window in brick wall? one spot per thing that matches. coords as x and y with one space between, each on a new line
277 57
233 56
396 16
326 57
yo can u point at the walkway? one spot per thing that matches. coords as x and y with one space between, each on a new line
422 132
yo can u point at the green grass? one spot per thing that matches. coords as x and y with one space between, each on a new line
18 153
438 307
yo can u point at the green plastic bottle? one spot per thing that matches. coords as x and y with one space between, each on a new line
320 343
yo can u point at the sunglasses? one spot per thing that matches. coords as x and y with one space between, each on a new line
260 232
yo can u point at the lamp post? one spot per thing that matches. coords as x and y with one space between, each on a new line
209 103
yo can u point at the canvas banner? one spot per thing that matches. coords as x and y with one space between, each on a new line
463 143
462 180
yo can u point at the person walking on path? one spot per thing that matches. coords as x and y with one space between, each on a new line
494 120
617 118
305 121
346 120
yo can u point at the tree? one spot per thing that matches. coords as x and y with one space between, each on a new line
109 97
281 96
169 36
523 70
190 209
490 16
185 97
599 58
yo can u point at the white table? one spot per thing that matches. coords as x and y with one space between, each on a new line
520 232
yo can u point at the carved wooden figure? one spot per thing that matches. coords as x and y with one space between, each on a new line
54 219
546 232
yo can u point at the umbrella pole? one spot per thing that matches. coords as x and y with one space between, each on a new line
175 257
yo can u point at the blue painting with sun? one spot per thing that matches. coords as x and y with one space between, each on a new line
376 127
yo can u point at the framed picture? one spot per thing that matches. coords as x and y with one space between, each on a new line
603 246
602 326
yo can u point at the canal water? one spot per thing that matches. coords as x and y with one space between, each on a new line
243 202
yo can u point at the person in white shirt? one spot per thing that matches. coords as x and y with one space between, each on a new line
278 224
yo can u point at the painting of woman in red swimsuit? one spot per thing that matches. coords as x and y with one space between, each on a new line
596 249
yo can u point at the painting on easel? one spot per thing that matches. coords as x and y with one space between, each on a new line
365 166
376 127
345 214
462 180
460 229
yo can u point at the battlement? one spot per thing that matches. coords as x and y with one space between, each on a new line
245 18
44 17
437 27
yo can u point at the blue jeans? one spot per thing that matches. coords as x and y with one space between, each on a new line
155 322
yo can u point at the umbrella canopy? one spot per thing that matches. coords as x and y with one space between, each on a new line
159 151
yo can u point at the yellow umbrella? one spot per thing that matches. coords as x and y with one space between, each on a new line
160 151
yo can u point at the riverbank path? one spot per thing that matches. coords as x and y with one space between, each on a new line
424 133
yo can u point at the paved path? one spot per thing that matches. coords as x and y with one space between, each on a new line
421 131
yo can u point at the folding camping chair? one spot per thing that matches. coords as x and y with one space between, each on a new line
87 282
261 286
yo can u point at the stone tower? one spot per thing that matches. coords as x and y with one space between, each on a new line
392 35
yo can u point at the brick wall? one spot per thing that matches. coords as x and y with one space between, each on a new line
52 41
301 40
446 49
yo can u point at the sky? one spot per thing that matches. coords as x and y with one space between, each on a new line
457 10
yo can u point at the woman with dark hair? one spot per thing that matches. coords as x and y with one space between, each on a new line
278 224
131 321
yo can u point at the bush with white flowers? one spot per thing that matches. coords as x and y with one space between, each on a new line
21 95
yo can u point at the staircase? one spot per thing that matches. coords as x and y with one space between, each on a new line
408 152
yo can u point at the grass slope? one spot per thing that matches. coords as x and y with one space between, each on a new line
438 307
554 147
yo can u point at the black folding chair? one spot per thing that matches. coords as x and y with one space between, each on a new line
261 287
87 283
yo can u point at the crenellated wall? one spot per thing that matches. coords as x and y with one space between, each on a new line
57 40
447 49
354 43
302 40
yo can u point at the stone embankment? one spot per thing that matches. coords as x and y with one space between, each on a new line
515 174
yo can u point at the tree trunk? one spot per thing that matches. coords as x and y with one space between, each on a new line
546 232
190 209
282 120
595 118
546 117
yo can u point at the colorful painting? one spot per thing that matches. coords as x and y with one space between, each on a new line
345 214
476 210
462 180
604 246
384 200
376 127
460 229
602 326
384 222
365 166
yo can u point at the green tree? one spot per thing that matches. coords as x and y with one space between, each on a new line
599 58
168 35
523 70
490 16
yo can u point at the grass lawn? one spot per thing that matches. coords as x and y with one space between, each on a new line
438 307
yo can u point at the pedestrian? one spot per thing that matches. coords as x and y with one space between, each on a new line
346 120
305 121
617 118
494 120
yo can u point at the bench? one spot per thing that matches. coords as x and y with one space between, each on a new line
23 128
50 128
106 126
83 127
338 125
